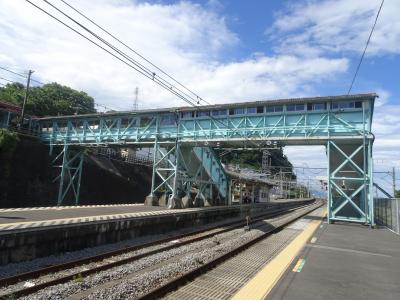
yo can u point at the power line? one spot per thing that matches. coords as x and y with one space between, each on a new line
129 58
131 62
134 51
19 74
12 81
15 73
103 106
365 49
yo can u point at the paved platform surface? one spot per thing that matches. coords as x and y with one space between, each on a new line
22 218
16 215
226 279
344 261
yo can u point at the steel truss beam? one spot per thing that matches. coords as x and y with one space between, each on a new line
71 173
145 129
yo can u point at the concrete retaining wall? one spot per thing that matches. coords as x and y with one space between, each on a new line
16 246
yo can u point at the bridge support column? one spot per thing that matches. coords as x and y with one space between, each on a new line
350 195
71 173
184 171
165 168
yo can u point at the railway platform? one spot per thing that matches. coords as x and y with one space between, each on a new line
337 261
29 233
24 218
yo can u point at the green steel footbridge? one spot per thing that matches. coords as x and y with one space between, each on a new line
183 139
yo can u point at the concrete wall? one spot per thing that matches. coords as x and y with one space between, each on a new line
30 182
27 244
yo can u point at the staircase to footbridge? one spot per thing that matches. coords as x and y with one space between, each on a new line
185 166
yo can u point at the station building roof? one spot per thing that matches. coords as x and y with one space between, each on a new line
353 97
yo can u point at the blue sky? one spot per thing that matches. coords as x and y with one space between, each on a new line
226 51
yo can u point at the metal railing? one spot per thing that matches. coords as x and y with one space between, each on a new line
130 158
387 213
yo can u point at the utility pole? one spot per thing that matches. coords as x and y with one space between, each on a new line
281 180
394 181
135 102
21 123
266 162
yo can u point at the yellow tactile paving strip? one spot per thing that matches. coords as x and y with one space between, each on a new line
261 284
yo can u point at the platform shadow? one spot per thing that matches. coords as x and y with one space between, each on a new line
12 218
318 218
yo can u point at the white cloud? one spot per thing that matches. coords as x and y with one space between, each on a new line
185 39
386 127
384 97
189 41
340 28
315 27
307 156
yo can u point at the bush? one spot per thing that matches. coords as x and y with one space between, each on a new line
8 143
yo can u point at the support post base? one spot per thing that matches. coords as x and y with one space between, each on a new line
151 200
175 203
187 202
208 202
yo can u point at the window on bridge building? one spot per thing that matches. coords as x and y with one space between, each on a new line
255 110
294 107
188 114
236 111
274 108
252 110
221 112
203 113
346 104
316 106
169 119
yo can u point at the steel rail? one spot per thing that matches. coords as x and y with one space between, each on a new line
175 283
77 263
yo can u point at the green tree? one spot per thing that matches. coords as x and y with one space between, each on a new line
397 194
49 100
253 159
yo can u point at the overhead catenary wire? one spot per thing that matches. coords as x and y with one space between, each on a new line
131 62
365 49
90 40
134 51
122 55
104 106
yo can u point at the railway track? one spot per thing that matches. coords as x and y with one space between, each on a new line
175 283
78 270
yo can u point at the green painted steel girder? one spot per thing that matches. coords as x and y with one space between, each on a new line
182 136
70 174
